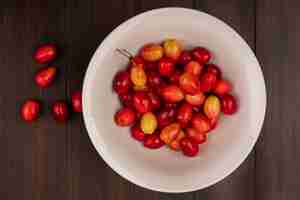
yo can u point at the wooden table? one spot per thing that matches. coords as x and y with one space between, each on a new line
46 160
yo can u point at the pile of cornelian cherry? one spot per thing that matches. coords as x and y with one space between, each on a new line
171 96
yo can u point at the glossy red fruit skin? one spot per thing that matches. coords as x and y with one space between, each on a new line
137 61
122 82
151 66
174 79
188 147
76 99
170 133
196 136
160 89
175 144
195 99
228 104
125 117
200 123
172 94
137 133
222 87
194 68
185 58
197 109
165 116
184 114
208 81
60 111
213 123
189 83
141 102
201 54
30 110
153 141
213 69
155 101
166 67
45 76
153 79
126 99
45 53
171 105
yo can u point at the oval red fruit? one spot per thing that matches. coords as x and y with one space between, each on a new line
30 110
222 87
141 102
185 58
229 104
175 144
153 79
200 123
188 147
155 101
137 133
44 77
126 99
194 68
45 53
184 114
189 83
170 133
151 66
122 82
60 111
196 136
213 123
137 61
166 67
77 101
165 116
213 69
208 81
195 99
153 141
174 79
125 117
201 54
172 94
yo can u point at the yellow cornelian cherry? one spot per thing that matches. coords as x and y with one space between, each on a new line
148 123
172 49
212 107
152 52
138 76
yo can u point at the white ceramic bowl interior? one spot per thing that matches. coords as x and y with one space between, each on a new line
227 146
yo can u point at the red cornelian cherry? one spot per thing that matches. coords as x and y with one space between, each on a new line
30 110
45 53
60 111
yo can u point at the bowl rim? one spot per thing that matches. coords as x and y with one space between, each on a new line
90 124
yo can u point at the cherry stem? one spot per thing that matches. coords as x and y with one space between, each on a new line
125 53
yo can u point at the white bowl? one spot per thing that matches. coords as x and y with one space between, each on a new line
164 170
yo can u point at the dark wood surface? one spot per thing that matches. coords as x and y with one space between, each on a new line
50 161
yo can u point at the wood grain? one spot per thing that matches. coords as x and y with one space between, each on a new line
47 160
277 160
